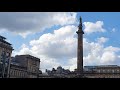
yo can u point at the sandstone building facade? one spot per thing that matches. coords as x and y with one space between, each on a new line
25 66
5 57
20 66
102 71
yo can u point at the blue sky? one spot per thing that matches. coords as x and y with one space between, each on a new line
47 34
110 19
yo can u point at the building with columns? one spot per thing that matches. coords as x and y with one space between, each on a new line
5 57
20 66
25 66
102 71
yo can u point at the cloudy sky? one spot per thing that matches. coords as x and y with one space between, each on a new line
51 36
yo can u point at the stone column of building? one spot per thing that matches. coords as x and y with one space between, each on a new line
5 57
80 49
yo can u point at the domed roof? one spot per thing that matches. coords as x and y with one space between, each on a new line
59 67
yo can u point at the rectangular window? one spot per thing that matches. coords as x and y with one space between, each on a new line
103 71
113 71
98 71
117 70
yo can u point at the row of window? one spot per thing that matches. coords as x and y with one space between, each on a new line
103 76
109 71
17 73
112 76
108 76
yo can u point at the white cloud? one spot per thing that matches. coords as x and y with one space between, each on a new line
102 40
113 30
95 53
24 35
54 49
2 30
59 44
48 63
60 49
72 64
112 49
23 50
24 23
108 57
91 27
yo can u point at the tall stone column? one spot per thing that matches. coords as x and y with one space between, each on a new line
80 49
